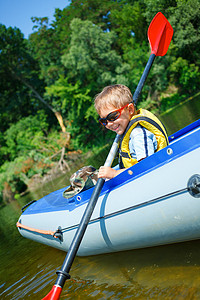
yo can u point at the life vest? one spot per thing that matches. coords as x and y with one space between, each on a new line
146 119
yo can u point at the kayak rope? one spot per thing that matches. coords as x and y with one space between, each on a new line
131 207
193 188
47 232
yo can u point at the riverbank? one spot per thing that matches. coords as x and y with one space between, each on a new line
174 119
74 160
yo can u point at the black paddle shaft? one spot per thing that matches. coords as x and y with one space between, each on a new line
143 78
63 274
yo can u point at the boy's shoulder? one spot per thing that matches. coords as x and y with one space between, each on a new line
139 130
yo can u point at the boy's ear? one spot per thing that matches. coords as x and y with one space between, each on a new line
131 108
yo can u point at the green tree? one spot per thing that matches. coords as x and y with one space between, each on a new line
129 23
25 135
91 59
185 75
47 49
186 23
90 64
50 41
16 100
20 71
77 106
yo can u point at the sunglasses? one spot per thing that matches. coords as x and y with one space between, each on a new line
112 116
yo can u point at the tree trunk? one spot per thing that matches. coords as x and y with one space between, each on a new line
62 163
37 95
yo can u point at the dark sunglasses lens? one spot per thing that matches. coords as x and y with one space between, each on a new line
103 121
113 116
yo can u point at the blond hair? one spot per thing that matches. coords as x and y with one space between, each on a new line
116 95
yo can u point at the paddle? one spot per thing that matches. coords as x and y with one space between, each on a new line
159 34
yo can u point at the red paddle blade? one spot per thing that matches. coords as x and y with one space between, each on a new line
160 33
54 294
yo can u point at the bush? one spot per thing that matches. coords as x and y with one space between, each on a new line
25 135
185 75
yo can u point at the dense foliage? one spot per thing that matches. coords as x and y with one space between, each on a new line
48 81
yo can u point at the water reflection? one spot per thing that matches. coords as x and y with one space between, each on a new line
182 115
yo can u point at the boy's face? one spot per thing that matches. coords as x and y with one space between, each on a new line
121 123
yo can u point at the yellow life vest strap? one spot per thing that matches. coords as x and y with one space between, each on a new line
136 120
152 122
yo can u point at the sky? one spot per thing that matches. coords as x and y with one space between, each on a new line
18 13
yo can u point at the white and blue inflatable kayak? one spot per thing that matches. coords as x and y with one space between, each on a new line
155 202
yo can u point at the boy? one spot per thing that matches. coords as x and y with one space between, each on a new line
141 132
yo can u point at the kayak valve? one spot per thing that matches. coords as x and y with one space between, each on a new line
58 234
194 186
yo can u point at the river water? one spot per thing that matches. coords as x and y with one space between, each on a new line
27 269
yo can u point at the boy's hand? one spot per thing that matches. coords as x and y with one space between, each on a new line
108 173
